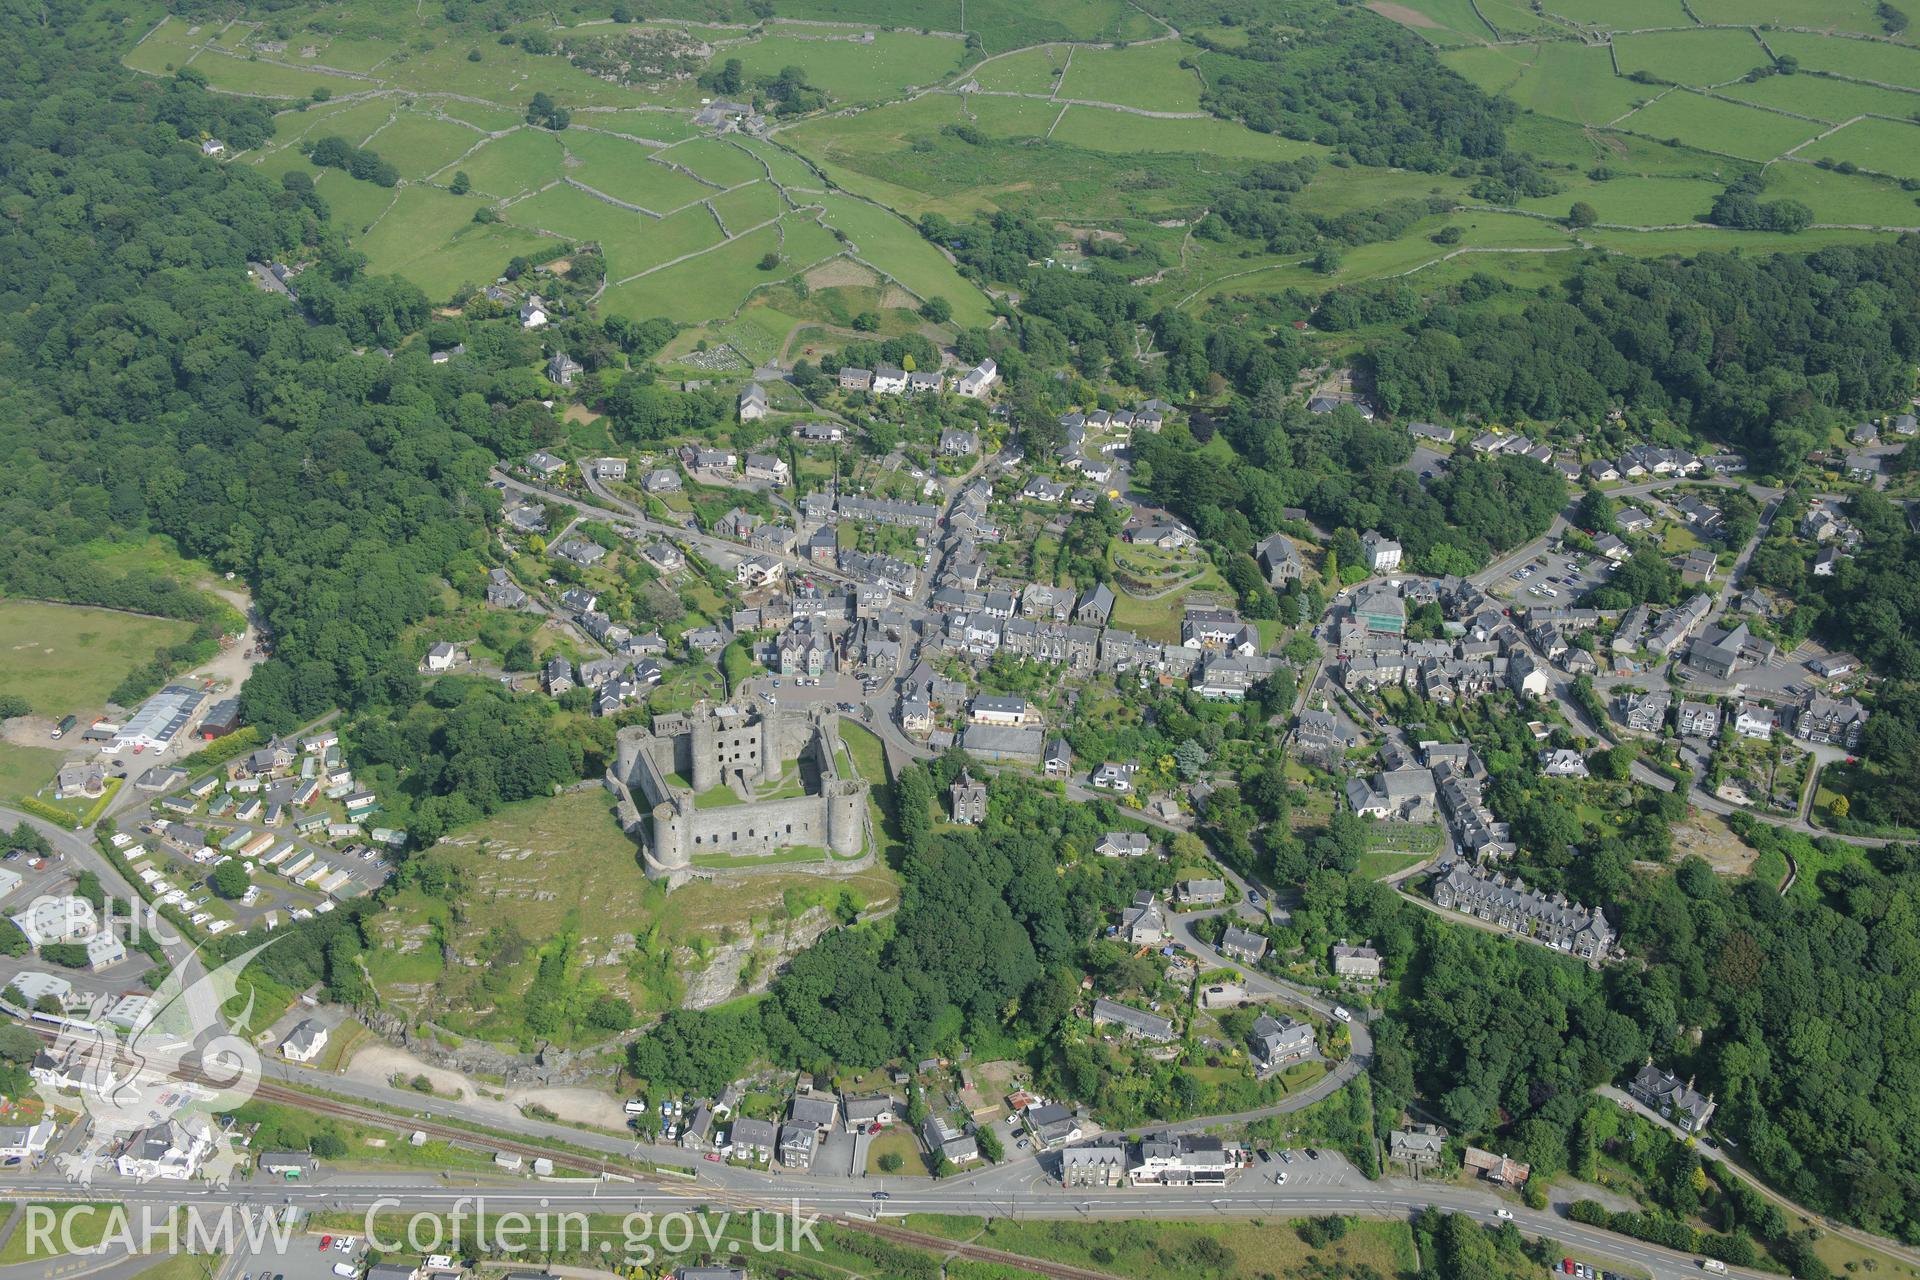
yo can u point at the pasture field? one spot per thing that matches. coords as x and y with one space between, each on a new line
852 70
701 289
1883 146
1693 240
661 127
890 245
1855 59
1832 15
236 73
720 163
430 237
1014 24
627 171
1098 129
1623 15
631 241
1842 197
1696 58
748 206
64 658
1562 140
1444 23
1516 18
1026 117
1711 124
1568 81
1029 71
416 143
787 169
522 161
1825 98
1147 76
172 44
1636 201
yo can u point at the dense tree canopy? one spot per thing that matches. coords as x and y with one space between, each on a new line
1760 352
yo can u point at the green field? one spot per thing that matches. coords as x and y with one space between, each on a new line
851 70
1840 197
416 143
430 237
1098 129
748 206
1621 15
1147 76
626 171
1883 146
1570 81
721 163
1826 98
1029 71
522 161
1862 59
1711 124
887 243
63 659
1696 58
1833 15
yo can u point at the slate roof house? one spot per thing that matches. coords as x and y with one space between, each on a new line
1689 1110
1243 944
1554 922
1132 1021
1278 1041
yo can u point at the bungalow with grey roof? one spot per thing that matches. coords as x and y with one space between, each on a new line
1132 1021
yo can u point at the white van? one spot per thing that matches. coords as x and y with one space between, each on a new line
1340 1012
